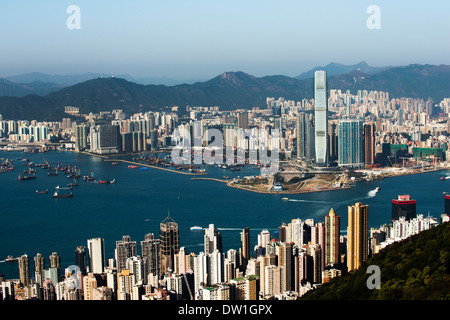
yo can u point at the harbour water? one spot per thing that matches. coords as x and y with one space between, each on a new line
139 200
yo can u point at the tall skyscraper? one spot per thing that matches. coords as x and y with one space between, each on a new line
245 249
24 270
403 206
55 260
212 240
350 145
332 142
357 235
321 118
332 233
369 143
124 249
96 251
305 136
80 259
151 252
39 267
170 243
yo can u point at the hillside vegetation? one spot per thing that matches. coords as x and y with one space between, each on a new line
416 268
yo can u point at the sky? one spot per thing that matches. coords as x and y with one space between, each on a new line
193 39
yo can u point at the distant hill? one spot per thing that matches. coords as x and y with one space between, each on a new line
417 268
334 68
8 88
228 90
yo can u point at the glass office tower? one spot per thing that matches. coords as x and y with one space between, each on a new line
321 118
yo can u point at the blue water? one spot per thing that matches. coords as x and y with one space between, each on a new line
140 199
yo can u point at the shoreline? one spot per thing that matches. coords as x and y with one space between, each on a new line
241 187
282 192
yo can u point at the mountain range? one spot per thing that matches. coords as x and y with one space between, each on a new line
228 90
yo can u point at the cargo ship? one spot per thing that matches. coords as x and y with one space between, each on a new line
58 194
26 177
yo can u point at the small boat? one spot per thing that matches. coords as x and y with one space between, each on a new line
377 188
132 167
196 228
285 199
41 191
114 163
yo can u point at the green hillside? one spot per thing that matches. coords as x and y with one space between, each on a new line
417 268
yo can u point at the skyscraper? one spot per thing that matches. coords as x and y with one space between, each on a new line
357 235
80 259
39 267
305 136
124 249
212 240
332 233
403 206
151 252
321 118
350 145
24 270
369 143
96 251
170 243
245 249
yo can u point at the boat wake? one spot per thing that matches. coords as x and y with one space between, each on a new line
372 193
310 201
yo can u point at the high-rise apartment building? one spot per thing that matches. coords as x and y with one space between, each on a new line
170 243
350 145
80 259
212 240
321 118
96 251
369 143
332 233
39 267
245 249
124 249
357 235
305 136
151 252
24 270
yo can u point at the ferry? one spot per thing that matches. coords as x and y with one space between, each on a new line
196 228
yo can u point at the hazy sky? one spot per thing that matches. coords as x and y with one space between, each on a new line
186 39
